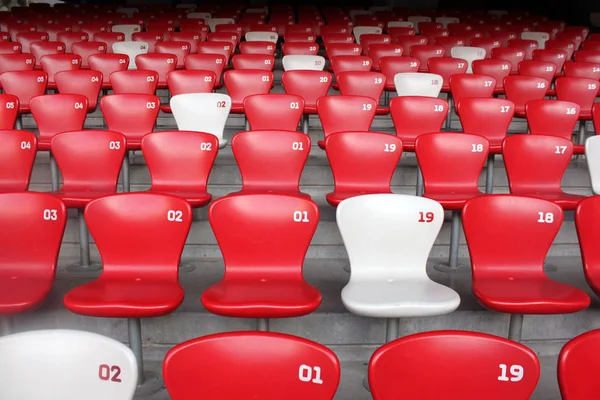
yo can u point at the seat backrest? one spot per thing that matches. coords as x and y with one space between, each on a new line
552 117
486 43
214 22
346 113
127 30
513 55
9 110
388 235
161 63
243 83
86 49
425 364
364 161
76 364
152 227
468 86
358 31
131 49
7 48
41 49
56 113
542 69
274 111
90 158
55 63
304 48
361 83
451 162
133 115
486 117
257 47
527 46
521 89
415 115
578 360
582 70
587 56
408 41
271 160
550 154
469 54
390 66
369 39
498 222
109 38
303 62
582 91
189 171
567 46
310 85
84 82
350 63
262 62
498 69
377 51
190 81
446 67
134 82
179 49
201 112
223 48
335 49
540 37
555 56
423 52
17 155
285 232
68 38
25 85
207 62
192 38
107 64
150 38
205 367
418 84
592 151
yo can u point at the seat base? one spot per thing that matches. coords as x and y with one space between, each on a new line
453 201
291 192
336 198
196 199
566 201
23 293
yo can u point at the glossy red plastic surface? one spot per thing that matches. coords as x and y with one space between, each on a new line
41 49
206 367
415 115
189 81
25 85
90 162
274 111
161 63
84 82
408 41
16 62
513 55
551 156
212 48
263 278
361 163
521 89
567 46
582 91
190 37
25 39
133 115
86 49
107 64
243 83
368 39
555 56
68 38
487 43
271 161
471 86
207 62
514 281
26 276
363 83
460 364
300 48
232 37
592 56
498 69
425 52
109 38
343 49
134 82
377 51
390 66
527 46
345 113
58 113
553 117
179 49
140 237
10 48
489 118
578 365
17 155
257 47
187 174
55 63
582 70
588 232
262 62
9 110
446 67
310 85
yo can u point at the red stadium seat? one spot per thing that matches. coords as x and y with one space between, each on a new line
26 276
262 62
582 91
343 49
361 163
271 161
587 232
258 47
582 70
133 115
17 155
41 49
555 56
390 66
134 81
10 48
243 83
310 85
68 38
521 89
274 111
424 52
160 63
206 367
15 29
89 162
565 45
107 64
350 63
366 40
551 156
54 29
486 43
378 51
87 83
86 49
423 365
25 85
514 281
186 175
151 38
592 56
263 279
578 359
16 62
486 117
299 37
498 69
179 49
527 46
109 38
189 81
554 118
207 62
414 115
93 28
446 67
345 113
468 85
58 113
513 55
540 69
9 111
190 37
25 39
300 48
571 37
362 83
223 48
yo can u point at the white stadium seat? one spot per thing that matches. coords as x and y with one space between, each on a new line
418 84
258 36
592 155
301 62
361 30
213 22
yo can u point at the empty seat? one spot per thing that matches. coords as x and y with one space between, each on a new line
84 82
189 81
9 111
486 43
512 55
55 63
424 52
160 63
223 48
388 238
469 54
424 365
363 83
582 70
86 49
10 48
243 83
418 84
17 155
107 64
274 111
345 113
206 367
150 38
179 49
578 362
522 89
207 62
361 163
554 118
25 85
108 38
555 56
131 49
446 67
270 283
527 46
190 37
587 231
253 61
390 66
133 115
582 91
300 48
271 161
42 49
89 365
134 82
58 113
187 174
303 62
343 49
497 69
469 86
567 46
415 115
127 29
202 112
68 38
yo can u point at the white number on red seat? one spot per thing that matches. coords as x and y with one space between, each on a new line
592 86
541 85
95 79
175 216
267 62
41 79
25 145
516 372
571 111
549 69
504 109
596 69
104 373
367 107
312 48
10 105
205 146
504 67
365 63
305 374
426 217
390 148
170 61
75 61
28 61
477 148
438 108
439 51
301 216
323 79
297 146
560 149
413 64
460 65
545 218
488 83
50 215
114 145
